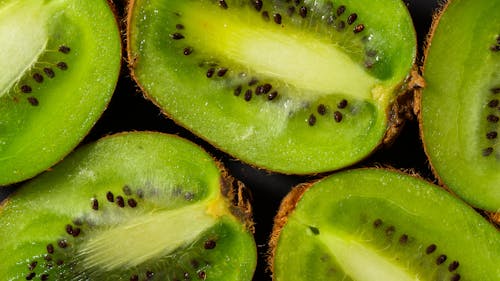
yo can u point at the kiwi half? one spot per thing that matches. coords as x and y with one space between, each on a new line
133 206
375 224
290 86
60 61
459 108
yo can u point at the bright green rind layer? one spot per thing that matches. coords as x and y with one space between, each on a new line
165 169
460 70
333 223
274 135
33 138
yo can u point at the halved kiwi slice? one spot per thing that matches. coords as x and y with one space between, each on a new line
60 61
290 86
133 206
375 224
459 107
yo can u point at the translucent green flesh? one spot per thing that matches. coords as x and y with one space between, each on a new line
460 71
176 187
307 61
34 137
334 222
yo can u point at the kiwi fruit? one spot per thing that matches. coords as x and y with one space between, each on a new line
296 87
131 206
60 62
459 107
376 224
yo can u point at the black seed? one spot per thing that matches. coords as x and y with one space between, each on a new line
430 249
337 116
360 27
150 274
389 231
38 77
32 266
272 95
487 151
33 101
312 120
290 11
76 232
297 2
492 118
314 230
110 196
64 49
377 223
62 243
126 189
495 90
47 257
134 277
341 25
403 239
132 203
330 19
493 103
179 26
188 196
237 91
491 135
303 11
223 4
321 109
210 72
455 277
195 264
453 266
202 275
342 104
49 72
30 276
50 248
263 89
253 81
340 10
221 72
498 39
44 277
495 48
26 89
258 5
210 244
187 51
176 36
248 95
69 229
186 276
60 262
120 201
265 15
277 18
440 259
352 18
371 53
95 204
62 65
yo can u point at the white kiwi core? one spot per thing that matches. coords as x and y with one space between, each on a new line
24 37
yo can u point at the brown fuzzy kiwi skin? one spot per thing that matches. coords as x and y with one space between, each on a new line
494 217
398 112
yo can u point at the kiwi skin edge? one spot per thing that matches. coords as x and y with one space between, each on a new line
494 216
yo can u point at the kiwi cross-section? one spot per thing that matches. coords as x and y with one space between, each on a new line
459 108
376 224
59 62
290 86
132 206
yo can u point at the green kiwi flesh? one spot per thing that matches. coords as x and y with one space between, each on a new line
295 87
60 61
459 107
375 224
133 206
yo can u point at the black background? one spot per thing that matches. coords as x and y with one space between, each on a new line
130 111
